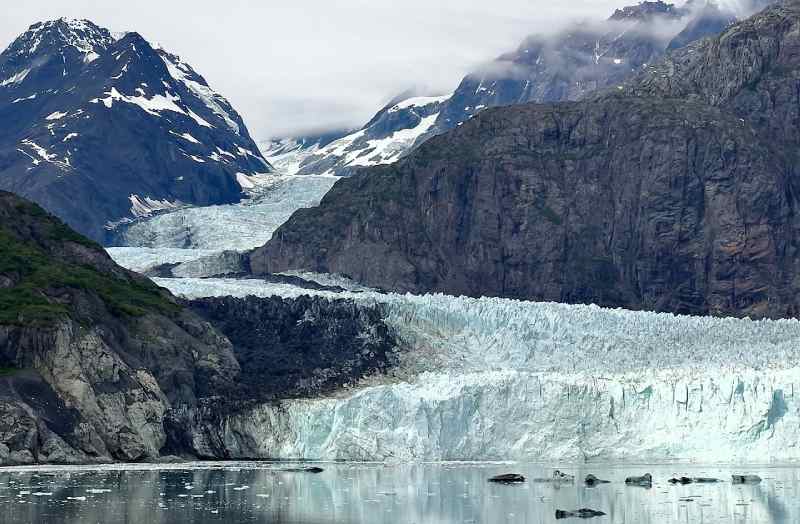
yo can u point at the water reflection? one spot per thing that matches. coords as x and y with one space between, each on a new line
369 493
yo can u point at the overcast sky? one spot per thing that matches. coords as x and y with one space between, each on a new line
290 66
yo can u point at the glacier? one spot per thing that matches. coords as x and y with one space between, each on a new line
233 227
498 379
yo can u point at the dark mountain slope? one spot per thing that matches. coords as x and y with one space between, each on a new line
102 129
623 200
99 364
94 356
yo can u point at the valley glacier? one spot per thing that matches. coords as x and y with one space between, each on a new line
231 227
498 379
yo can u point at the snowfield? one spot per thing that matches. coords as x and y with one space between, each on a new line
498 379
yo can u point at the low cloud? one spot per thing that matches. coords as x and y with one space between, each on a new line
293 67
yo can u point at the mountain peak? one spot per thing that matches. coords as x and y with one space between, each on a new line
645 11
80 101
83 35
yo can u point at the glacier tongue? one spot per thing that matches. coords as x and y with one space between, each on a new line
231 227
497 379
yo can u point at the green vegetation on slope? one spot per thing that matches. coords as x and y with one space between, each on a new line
37 275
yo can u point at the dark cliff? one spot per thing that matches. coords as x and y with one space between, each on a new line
301 347
99 364
675 193
93 356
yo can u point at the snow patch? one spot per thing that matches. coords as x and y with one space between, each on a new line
56 116
17 100
420 101
183 73
18 78
186 136
153 105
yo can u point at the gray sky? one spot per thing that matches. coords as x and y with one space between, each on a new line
291 66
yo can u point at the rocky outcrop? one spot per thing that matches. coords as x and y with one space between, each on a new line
92 357
99 364
633 199
301 347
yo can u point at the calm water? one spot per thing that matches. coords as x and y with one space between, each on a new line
369 493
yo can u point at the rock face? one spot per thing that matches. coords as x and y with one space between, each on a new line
302 347
92 357
99 364
102 129
634 198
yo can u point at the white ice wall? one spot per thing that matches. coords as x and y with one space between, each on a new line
495 379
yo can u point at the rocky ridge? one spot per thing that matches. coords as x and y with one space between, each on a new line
634 198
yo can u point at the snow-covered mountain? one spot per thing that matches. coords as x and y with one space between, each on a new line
579 60
102 128
386 138
286 155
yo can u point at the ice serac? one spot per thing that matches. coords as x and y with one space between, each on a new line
498 379
670 194
103 130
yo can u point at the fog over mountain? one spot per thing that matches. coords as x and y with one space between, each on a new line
294 68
